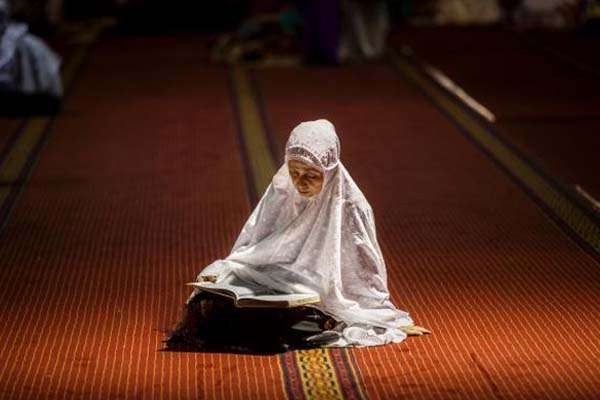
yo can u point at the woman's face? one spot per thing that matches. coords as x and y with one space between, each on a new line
307 179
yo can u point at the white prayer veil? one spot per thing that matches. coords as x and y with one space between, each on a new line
9 33
27 64
325 244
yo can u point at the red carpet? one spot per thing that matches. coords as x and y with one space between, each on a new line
141 184
578 49
545 106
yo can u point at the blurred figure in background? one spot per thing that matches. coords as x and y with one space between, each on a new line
554 14
340 31
320 30
325 32
468 12
271 33
364 30
27 66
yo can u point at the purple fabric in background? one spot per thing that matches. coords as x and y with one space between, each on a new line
321 29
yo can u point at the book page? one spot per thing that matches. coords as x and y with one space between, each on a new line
236 287
248 294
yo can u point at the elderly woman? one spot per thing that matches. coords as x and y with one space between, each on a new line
27 65
314 231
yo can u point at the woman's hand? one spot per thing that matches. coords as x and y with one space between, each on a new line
414 330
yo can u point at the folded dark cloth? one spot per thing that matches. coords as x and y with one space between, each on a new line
212 323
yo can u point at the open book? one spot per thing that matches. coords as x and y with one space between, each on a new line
246 294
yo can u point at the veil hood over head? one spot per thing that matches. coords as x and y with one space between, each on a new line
326 244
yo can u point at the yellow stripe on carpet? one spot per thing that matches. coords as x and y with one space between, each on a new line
319 379
582 225
252 128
